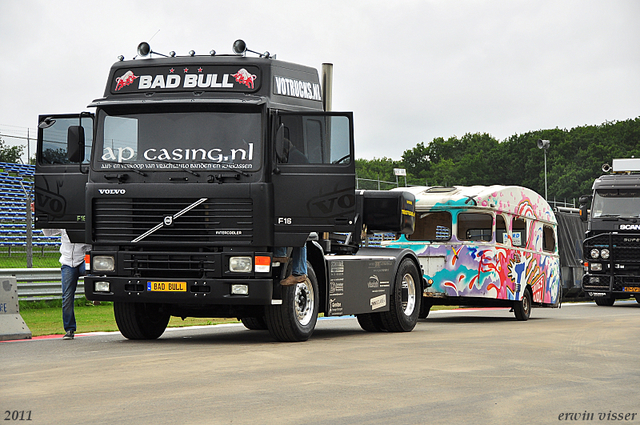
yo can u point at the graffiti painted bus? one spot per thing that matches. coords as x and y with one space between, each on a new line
485 246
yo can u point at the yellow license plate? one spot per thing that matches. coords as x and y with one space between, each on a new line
167 286
631 289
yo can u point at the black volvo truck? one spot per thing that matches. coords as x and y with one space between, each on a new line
611 247
192 170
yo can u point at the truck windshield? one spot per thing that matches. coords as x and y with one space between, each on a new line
169 140
616 203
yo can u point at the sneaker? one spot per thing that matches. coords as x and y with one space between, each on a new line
68 335
293 280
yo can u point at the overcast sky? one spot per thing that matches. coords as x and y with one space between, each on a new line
410 71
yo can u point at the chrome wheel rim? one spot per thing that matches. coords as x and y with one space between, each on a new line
408 294
304 301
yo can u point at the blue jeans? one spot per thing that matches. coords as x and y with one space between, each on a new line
69 284
298 258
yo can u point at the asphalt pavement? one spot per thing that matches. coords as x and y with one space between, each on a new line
579 363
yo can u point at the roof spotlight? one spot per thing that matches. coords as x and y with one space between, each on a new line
144 49
192 53
239 47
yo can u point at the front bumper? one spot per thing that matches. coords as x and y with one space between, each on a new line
196 291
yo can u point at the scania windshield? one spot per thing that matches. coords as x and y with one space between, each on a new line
186 140
608 203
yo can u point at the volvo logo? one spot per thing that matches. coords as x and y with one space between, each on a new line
168 220
112 191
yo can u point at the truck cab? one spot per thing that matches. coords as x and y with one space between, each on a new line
612 242
188 175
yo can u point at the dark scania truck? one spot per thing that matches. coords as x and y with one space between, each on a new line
611 247
184 184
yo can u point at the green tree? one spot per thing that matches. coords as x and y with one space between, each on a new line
9 153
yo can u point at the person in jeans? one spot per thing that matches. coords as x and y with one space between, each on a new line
298 265
72 267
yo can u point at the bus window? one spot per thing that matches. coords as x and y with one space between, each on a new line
502 236
475 227
519 231
548 239
435 226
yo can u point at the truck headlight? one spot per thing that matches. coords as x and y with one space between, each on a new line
595 253
240 264
103 263
604 254
596 267
102 286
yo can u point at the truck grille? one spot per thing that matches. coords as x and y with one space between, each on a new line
213 222
195 265
624 248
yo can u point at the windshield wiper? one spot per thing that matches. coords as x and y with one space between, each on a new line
188 170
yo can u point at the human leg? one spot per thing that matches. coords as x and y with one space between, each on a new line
298 266
280 254
69 283
299 260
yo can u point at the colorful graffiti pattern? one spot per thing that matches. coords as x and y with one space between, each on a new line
488 270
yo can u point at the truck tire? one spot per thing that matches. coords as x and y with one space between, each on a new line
254 323
371 322
140 320
606 301
295 319
405 299
522 309
425 309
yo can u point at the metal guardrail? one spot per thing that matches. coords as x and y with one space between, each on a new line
40 284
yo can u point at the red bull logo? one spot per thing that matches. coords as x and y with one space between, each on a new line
244 77
127 79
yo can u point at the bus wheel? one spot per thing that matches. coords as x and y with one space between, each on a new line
370 322
606 301
522 309
295 319
140 320
254 323
405 299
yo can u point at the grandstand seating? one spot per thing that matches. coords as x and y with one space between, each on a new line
16 180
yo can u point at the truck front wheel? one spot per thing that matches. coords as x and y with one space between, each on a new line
405 299
140 320
295 319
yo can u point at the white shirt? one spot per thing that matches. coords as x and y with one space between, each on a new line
72 254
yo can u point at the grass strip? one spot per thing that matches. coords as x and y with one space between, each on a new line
46 318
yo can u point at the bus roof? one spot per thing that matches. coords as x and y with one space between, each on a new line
508 199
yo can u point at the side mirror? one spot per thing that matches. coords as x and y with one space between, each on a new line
584 207
75 143
279 144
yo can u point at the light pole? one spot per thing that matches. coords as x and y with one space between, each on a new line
544 145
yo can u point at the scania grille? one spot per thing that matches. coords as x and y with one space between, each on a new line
121 220
625 248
